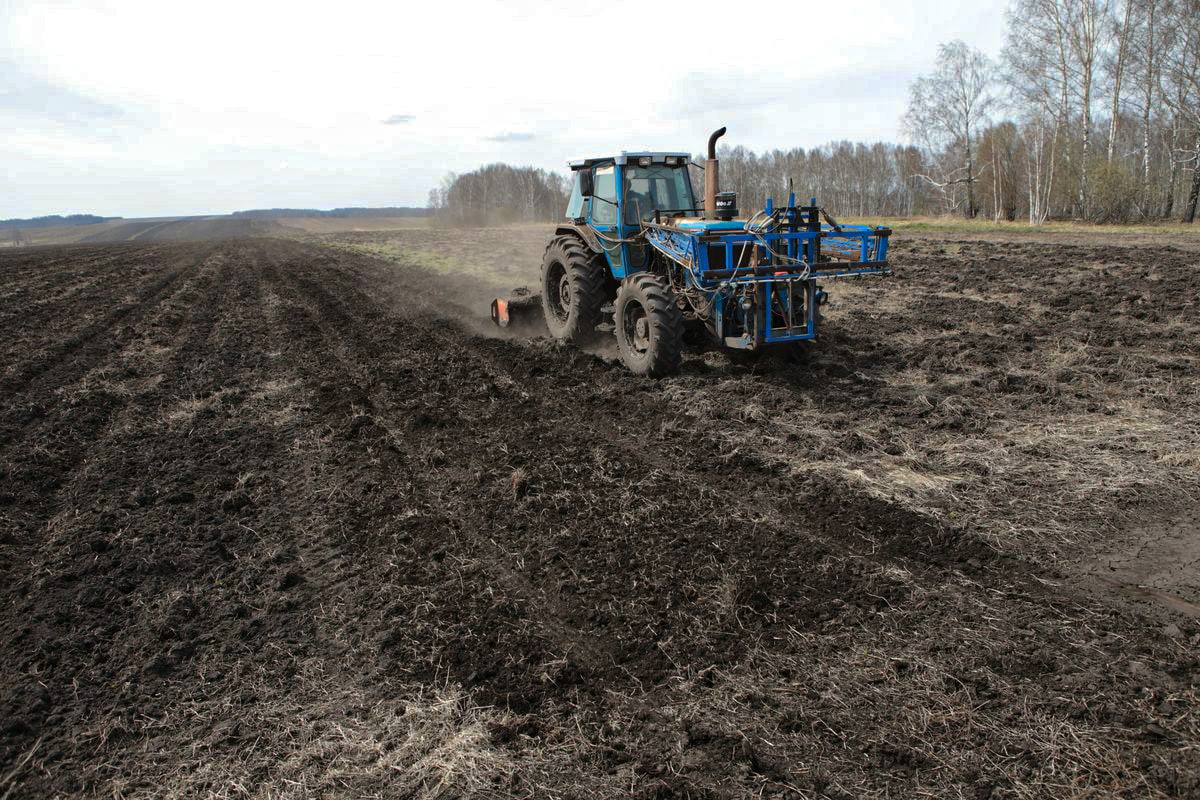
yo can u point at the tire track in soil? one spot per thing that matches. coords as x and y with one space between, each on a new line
557 618
97 263
42 449
164 580
340 336
197 296
553 611
33 308
80 350
878 534
17 266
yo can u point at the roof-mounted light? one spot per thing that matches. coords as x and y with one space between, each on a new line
645 161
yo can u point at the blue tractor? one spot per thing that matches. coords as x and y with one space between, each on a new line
638 257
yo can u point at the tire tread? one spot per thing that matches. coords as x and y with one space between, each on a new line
589 276
666 357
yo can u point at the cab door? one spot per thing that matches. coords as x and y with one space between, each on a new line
604 215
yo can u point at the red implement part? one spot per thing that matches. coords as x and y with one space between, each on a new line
522 310
500 312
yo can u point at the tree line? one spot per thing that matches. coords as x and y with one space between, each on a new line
854 177
54 220
1091 112
850 178
498 193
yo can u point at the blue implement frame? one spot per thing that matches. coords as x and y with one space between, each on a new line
761 281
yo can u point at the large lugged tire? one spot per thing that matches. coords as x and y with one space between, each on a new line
649 327
573 289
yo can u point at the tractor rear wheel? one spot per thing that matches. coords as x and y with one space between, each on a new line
649 327
573 289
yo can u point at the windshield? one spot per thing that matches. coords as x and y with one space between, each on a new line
655 188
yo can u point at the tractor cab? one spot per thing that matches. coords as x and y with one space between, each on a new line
616 195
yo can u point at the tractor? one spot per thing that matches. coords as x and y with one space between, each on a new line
638 257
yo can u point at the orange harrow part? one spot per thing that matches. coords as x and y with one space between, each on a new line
521 309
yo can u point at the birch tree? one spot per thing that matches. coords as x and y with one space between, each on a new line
1121 33
1085 33
1181 74
1143 49
1037 68
947 107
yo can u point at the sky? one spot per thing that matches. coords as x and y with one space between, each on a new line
158 107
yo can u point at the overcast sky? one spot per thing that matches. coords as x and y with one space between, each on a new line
158 107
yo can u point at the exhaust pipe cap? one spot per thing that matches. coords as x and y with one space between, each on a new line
712 142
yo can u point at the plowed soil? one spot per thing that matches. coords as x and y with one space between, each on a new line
274 524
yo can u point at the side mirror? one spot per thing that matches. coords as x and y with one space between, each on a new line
585 182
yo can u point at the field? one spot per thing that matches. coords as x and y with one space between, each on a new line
283 517
185 229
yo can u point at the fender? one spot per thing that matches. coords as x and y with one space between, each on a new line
583 231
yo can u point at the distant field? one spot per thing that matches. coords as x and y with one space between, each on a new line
67 234
353 224
178 229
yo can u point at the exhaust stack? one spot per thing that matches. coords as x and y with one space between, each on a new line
712 175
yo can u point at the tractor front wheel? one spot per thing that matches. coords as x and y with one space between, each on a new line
649 327
573 289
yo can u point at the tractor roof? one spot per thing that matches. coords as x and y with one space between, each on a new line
655 156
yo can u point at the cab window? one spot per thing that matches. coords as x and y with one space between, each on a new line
575 204
655 188
604 197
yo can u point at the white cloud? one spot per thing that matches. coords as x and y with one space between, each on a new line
189 108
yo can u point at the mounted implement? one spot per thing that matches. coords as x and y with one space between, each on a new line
639 258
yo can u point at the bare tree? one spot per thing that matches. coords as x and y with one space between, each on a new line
1121 32
1143 50
1000 149
1181 74
1054 50
946 108
1037 69
1086 32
